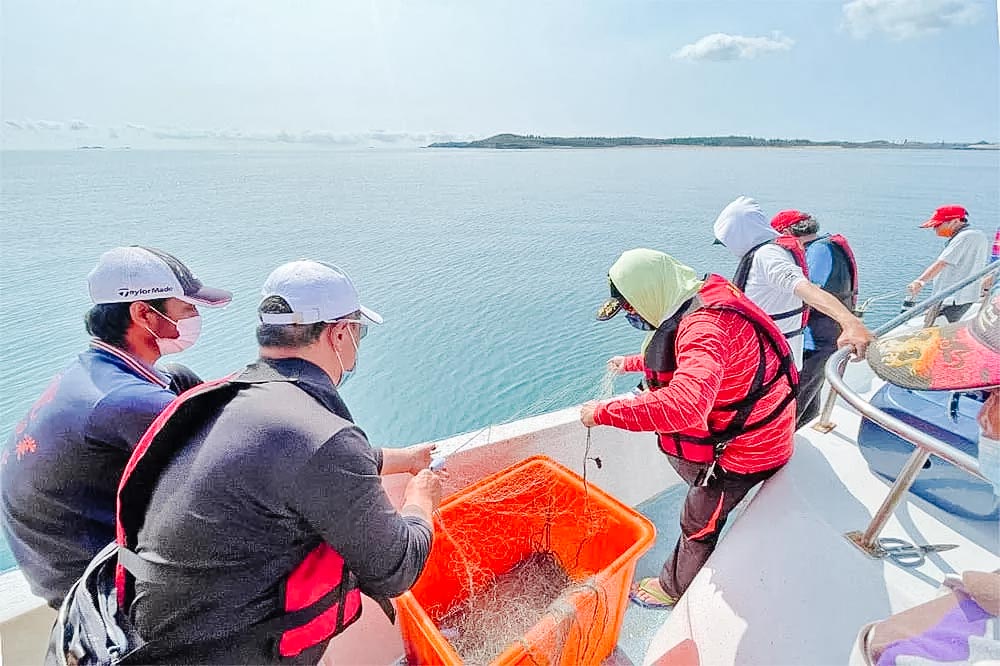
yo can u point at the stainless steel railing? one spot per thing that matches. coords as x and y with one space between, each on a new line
925 444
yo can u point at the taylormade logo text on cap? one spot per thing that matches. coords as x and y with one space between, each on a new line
126 292
134 273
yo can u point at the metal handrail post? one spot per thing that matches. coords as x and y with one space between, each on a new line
925 446
915 463
824 423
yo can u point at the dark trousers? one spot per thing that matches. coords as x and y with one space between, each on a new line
951 312
706 508
810 397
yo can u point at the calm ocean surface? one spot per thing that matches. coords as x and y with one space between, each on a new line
487 265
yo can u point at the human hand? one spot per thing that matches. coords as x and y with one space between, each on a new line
986 285
915 287
617 363
587 410
418 457
857 337
424 489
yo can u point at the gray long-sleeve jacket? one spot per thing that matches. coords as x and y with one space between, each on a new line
253 491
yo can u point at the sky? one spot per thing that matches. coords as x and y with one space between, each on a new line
183 73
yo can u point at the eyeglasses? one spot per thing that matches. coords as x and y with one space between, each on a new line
362 327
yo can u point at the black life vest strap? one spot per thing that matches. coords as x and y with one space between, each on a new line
788 313
792 334
743 269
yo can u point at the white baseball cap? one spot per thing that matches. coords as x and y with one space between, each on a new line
135 273
316 291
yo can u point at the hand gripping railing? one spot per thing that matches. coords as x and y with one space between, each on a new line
925 444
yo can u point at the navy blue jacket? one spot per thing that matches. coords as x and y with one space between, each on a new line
59 472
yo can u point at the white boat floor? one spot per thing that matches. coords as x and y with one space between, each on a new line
786 587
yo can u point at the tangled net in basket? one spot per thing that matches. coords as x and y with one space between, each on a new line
481 627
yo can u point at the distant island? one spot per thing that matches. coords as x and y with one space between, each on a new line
521 142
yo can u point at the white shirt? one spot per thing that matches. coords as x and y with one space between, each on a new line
964 255
771 285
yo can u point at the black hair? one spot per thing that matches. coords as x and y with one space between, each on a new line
292 336
109 322
804 227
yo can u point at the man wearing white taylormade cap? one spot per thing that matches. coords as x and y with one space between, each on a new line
266 516
59 472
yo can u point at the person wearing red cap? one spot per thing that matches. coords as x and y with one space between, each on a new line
964 253
833 269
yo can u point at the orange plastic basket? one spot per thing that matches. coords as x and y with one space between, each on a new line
490 526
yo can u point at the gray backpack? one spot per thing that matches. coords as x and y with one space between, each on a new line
91 630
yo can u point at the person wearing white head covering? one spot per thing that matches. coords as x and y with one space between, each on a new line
775 283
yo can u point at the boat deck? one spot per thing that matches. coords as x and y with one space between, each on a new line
783 587
786 587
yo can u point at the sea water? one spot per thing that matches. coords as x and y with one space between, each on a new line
487 265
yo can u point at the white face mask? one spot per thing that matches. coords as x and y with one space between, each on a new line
346 373
188 331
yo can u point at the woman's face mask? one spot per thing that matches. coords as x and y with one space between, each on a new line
638 322
188 331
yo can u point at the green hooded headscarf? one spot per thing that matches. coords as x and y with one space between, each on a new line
654 283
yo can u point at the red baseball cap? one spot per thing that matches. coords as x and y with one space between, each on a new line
787 218
945 214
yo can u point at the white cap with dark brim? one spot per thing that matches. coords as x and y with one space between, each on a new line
134 273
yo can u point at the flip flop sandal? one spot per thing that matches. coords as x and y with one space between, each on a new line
651 588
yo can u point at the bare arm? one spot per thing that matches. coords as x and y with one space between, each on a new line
409 460
854 334
929 274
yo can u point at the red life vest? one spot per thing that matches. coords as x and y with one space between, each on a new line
799 254
660 359
320 596
841 242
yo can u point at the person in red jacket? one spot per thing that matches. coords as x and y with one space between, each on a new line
721 386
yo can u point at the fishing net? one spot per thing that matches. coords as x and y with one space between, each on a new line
520 555
517 567
480 627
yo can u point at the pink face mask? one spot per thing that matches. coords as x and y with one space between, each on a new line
188 331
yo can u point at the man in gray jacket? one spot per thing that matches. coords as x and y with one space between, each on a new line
252 515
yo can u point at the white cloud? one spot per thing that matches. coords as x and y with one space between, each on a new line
903 19
720 47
